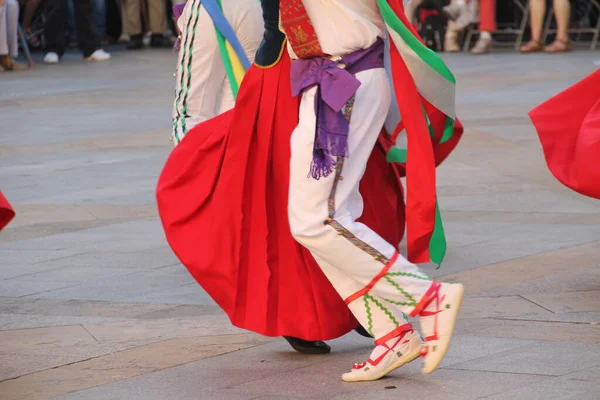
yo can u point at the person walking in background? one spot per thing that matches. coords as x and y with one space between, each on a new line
9 18
464 13
132 22
54 31
99 19
562 11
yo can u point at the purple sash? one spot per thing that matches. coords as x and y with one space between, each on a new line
335 87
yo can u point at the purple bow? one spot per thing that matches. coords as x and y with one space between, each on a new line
335 87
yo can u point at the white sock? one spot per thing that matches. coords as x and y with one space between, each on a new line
486 35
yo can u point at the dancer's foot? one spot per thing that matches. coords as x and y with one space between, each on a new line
387 357
362 331
307 346
437 319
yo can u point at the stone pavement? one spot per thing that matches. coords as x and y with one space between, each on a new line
94 306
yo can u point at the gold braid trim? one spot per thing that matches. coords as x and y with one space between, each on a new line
283 45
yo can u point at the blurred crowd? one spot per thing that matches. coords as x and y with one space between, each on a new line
52 26
443 23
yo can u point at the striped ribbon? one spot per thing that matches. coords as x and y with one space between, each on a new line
234 57
425 93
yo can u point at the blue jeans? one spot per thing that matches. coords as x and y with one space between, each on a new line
99 18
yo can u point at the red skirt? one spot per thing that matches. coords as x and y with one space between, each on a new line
568 126
6 211
222 198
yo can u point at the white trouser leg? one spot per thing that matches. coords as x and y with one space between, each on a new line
203 89
379 324
200 71
376 282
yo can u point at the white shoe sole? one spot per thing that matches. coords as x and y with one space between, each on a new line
443 343
399 363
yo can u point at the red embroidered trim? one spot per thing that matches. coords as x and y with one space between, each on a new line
426 299
299 30
401 330
388 351
367 288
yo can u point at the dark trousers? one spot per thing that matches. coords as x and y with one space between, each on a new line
56 19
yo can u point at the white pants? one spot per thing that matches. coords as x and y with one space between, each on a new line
203 90
378 284
9 18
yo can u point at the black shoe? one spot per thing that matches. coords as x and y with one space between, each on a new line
308 347
363 332
160 41
135 42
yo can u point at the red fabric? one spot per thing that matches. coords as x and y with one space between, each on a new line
437 119
568 126
487 15
6 211
420 163
222 199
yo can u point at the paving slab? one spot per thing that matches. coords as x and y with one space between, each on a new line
442 385
591 318
574 279
538 359
567 302
583 384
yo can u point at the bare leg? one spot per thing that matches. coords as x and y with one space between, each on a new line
562 11
538 10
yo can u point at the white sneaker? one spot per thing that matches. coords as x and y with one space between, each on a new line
405 349
51 58
437 322
98 55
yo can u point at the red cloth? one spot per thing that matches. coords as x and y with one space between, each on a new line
222 199
568 126
487 15
6 211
